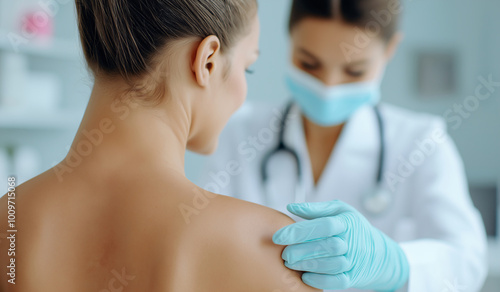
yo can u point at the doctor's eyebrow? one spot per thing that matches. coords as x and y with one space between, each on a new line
356 63
310 55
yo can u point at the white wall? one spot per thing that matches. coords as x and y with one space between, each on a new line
469 29
268 82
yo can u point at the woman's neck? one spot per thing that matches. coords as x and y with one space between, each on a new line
123 137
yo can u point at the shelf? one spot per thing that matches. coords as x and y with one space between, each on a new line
58 49
40 120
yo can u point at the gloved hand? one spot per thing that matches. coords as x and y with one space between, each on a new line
338 248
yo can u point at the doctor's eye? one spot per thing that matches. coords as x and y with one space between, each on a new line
309 66
355 73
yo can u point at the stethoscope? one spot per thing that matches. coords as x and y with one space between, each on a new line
375 202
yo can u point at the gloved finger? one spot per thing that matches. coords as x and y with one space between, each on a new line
328 265
310 230
318 210
329 247
327 282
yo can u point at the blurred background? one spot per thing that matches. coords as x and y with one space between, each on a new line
448 47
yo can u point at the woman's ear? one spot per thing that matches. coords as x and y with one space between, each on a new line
205 59
393 45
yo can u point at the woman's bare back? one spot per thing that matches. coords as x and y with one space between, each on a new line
153 235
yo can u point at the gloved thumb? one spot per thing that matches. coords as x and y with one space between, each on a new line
311 211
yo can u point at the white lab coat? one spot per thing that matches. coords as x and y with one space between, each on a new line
432 215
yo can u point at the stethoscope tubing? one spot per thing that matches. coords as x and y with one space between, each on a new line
282 147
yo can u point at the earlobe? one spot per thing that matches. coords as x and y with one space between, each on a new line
205 60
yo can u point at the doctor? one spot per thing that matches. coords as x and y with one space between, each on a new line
383 190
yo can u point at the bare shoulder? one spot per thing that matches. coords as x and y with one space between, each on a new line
246 257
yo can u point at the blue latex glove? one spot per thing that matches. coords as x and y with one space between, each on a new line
338 248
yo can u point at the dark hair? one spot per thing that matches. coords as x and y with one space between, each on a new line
356 12
123 37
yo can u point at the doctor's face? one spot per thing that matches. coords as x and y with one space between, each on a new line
337 53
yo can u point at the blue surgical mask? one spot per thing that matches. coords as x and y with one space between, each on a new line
330 105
